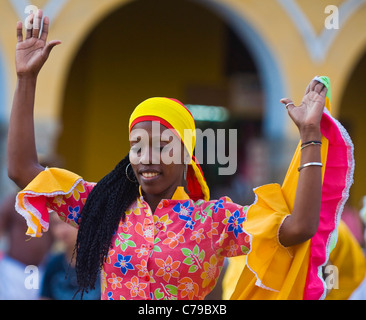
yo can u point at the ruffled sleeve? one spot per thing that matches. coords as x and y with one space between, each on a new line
273 271
52 189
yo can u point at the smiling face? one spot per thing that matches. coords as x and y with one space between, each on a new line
157 159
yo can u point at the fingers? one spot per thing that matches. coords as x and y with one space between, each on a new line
47 49
29 26
37 24
19 31
307 90
288 104
33 25
316 86
46 24
323 92
319 87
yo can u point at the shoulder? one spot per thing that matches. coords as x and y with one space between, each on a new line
56 262
221 208
223 203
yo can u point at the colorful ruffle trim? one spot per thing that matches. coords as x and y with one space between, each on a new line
31 201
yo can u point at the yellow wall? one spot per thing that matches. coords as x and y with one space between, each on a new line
138 52
274 21
268 17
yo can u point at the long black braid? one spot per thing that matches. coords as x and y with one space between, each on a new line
103 210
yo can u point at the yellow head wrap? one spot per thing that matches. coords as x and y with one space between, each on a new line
174 115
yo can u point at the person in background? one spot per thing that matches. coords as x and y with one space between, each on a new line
360 292
60 281
19 253
349 260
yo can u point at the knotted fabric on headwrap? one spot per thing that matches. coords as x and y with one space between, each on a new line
174 115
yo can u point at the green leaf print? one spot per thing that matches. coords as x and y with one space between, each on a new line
196 250
193 268
156 248
203 214
172 289
194 258
244 249
186 252
208 210
130 243
188 261
158 294
123 241
169 292
201 255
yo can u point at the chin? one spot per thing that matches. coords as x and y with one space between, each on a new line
151 188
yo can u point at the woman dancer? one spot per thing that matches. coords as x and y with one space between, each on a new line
149 226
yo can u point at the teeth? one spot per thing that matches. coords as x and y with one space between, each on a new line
149 174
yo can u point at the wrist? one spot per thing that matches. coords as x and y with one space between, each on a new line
27 77
310 133
27 80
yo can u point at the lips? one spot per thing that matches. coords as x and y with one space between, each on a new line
149 175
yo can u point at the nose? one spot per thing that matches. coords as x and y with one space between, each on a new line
146 155
149 156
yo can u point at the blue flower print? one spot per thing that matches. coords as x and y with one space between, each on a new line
235 222
218 205
124 263
190 223
185 213
74 213
183 209
110 295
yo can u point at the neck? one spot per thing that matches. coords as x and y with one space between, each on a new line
154 199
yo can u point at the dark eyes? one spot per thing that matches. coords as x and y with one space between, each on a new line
160 148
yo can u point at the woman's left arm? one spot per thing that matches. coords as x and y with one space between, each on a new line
303 223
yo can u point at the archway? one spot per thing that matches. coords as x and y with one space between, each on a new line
352 115
180 49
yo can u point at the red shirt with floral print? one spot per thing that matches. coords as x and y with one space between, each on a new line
177 252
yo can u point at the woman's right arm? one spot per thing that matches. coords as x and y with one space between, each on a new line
31 53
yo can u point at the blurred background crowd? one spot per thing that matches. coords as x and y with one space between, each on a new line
236 56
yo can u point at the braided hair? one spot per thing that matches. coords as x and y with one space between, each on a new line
103 210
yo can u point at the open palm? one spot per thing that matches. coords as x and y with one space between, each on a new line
33 51
309 112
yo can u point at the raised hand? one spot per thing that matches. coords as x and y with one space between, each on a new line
33 51
308 114
303 223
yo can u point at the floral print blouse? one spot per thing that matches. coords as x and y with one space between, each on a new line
177 252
